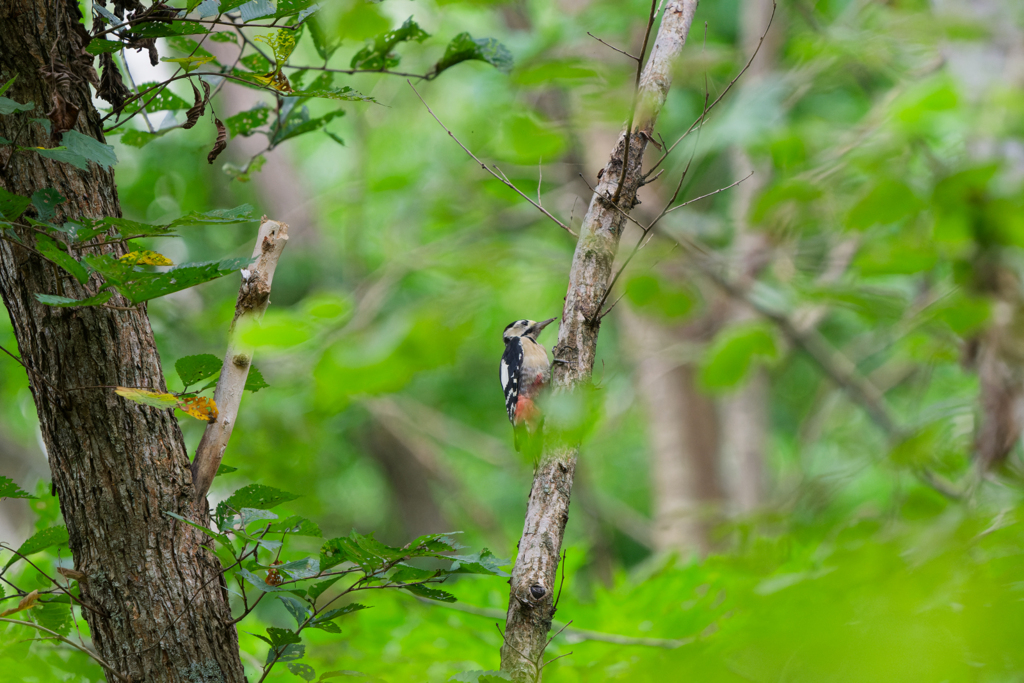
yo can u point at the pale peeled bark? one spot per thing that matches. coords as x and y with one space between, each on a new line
533 577
253 299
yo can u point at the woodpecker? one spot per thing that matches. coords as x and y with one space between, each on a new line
525 372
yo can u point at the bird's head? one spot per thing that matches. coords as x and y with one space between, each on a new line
526 328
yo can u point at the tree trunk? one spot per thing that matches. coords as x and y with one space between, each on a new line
531 599
684 435
745 413
154 600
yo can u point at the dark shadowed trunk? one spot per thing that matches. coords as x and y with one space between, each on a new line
153 599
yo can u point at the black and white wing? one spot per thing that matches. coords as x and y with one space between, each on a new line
511 375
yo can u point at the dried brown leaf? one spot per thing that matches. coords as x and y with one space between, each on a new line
23 604
200 407
222 141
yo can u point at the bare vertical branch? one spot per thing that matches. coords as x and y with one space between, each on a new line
253 299
533 578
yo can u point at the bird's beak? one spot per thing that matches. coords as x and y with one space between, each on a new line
537 327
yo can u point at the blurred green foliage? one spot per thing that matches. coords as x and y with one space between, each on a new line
881 123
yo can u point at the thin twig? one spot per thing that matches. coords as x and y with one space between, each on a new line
499 175
621 52
72 643
53 581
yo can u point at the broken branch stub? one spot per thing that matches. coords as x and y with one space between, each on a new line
253 299
533 578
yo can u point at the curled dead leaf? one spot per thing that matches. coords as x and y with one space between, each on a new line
26 602
72 574
222 141
199 108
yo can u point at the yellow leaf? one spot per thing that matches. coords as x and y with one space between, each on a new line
146 258
23 604
282 43
276 80
146 397
188 63
200 407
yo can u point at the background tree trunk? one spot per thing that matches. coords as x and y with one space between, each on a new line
154 599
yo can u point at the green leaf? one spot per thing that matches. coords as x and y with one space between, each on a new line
322 621
65 155
99 46
259 584
325 45
887 202
297 526
6 86
159 99
194 369
48 248
239 214
288 653
55 616
258 496
378 55
300 123
138 286
282 636
301 569
97 299
366 551
430 593
190 63
12 205
8 489
225 469
46 203
464 47
730 357
254 381
90 148
250 515
9 106
224 37
345 94
246 122
317 589
303 671
54 535
484 562
297 608
176 28
141 138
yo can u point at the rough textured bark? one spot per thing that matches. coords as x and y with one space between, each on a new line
533 577
155 606
253 299
745 413
684 436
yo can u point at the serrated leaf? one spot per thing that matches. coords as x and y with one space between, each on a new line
141 138
281 42
430 593
54 615
325 617
345 94
239 214
258 496
200 407
484 562
464 47
303 671
138 286
377 55
51 536
297 526
255 9
90 148
298 609
8 489
46 202
301 123
301 569
317 589
12 205
49 248
246 122
250 515
145 257
366 551
282 636
193 369
97 299
254 380
176 28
